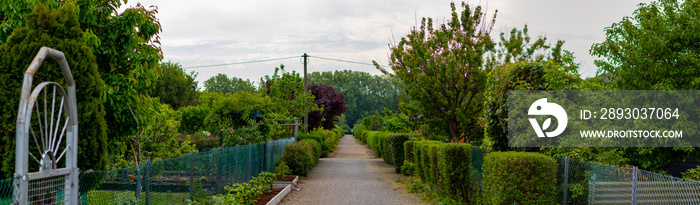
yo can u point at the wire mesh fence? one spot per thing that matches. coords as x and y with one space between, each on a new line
580 182
174 181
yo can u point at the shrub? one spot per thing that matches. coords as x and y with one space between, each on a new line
317 148
299 157
281 170
193 118
408 151
319 139
420 157
397 150
519 178
247 193
383 142
408 168
454 164
373 143
432 166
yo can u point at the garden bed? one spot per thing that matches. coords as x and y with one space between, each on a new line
274 197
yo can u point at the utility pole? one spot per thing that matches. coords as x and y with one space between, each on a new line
306 89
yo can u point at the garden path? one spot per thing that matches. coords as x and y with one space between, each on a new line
351 175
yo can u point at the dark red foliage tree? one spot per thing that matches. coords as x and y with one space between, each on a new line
332 102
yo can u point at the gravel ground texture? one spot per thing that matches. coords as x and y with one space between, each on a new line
352 175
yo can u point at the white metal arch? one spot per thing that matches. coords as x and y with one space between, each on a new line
56 140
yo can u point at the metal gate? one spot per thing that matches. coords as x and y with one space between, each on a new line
47 134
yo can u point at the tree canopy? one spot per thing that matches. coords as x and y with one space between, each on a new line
658 48
365 94
332 103
223 84
441 67
176 87
58 29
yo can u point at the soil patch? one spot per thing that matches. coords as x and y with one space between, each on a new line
263 199
289 178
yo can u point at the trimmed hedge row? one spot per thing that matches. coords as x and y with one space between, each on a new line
303 154
519 178
508 177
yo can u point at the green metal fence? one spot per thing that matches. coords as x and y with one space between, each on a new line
173 181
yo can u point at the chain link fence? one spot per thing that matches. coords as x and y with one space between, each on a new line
173 181
593 183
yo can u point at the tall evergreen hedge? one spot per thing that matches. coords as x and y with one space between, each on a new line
58 29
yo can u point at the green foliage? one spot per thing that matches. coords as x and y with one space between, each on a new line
692 174
396 147
408 150
331 138
364 93
158 127
287 92
420 158
656 49
317 148
519 178
408 168
249 134
299 157
193 118
281 170
441 67
58 29
247 193
125 44
454 165
518 76
176 88
222 84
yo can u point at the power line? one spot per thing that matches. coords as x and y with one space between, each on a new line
345 61
238 63
274 59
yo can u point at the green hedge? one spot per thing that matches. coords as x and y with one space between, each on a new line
454 165
519 178
420 157
396 149
408 151
317 148
299 157
319 139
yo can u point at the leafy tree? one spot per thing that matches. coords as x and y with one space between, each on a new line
364 93
656 49
221 83
175 87
126 46
518 64
441 67
58 29
287 92
332 103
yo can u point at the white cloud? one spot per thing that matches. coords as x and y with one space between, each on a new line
215 32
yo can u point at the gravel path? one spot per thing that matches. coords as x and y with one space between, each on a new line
351 175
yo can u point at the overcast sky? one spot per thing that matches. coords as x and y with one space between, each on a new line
208 32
